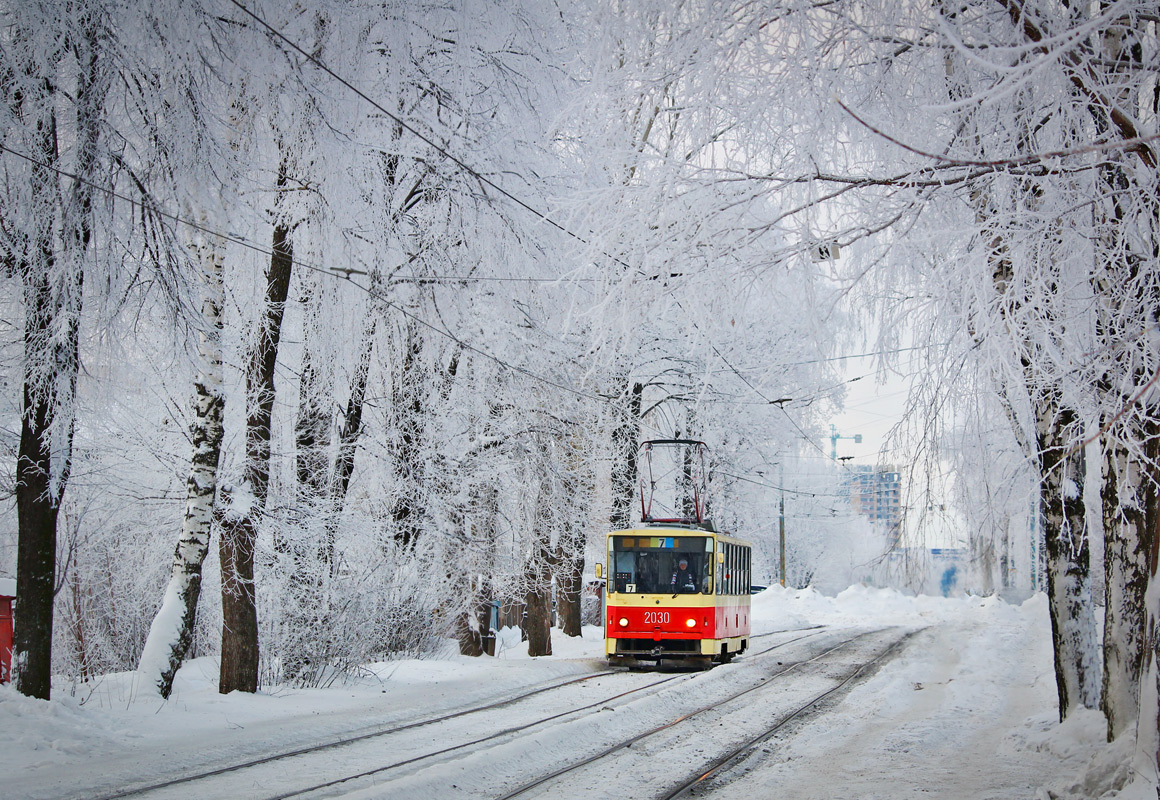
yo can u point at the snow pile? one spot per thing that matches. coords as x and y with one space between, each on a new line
778 608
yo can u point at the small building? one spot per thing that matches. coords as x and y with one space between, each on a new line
7 596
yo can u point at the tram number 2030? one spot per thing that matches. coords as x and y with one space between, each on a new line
656 618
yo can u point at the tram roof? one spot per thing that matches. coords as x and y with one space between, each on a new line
678 529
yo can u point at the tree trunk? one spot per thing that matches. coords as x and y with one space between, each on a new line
1126 546
625 441
172 629
1148 719
538 602
570 556
474 624
239 667
37 509
304 641
51 348
537 625
1068 560
348 438
312 426
407 404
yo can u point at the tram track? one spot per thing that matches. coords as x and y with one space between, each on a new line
715 765
518 729
737 754
138 791
174 786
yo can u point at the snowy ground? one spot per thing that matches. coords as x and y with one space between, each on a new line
967 710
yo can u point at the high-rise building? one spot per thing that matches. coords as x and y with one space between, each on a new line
876 493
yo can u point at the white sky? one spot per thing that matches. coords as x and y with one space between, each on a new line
871 409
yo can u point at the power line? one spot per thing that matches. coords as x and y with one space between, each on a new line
871 354
461 164
154 209
347 276
477 176
438 148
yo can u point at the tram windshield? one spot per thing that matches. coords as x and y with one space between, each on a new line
662 564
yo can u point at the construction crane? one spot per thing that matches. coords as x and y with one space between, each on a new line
835 436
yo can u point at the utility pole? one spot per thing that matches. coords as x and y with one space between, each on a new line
781 519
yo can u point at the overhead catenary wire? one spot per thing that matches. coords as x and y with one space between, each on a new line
438 148
346 274
331 273
467 168
343 274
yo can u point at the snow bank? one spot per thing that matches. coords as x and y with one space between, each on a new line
968 654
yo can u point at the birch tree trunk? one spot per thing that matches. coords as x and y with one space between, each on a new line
1148 721
1125 579
1073 632
1124 492
172 629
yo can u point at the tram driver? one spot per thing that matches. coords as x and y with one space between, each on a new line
683 578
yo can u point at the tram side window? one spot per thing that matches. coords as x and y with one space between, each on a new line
625 570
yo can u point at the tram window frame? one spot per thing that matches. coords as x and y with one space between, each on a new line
630 559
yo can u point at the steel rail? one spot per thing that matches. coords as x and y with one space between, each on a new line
343 741
765 683
814 631
720 763
139 790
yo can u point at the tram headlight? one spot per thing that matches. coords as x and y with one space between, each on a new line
690 623
624 622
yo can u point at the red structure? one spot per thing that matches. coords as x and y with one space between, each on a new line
7 595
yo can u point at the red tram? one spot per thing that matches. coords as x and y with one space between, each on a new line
677 589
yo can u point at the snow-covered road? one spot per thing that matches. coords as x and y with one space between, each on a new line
963 709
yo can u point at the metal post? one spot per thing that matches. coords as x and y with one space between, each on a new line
781 518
